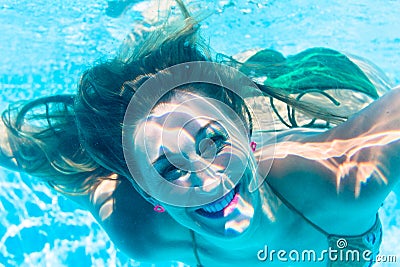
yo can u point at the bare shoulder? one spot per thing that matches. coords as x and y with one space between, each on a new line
304 170
132 224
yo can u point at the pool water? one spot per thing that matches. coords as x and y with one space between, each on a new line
45 45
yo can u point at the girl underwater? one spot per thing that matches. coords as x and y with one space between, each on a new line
218 162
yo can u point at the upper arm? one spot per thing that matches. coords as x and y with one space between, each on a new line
133 226
354 165
369 144
119 209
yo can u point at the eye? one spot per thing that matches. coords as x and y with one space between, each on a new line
219 141
172 173
167 170
211 140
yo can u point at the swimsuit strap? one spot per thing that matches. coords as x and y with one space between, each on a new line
195 251
292 208
319 229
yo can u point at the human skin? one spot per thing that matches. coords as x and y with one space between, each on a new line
337 178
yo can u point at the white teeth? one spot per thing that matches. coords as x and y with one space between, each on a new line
221 204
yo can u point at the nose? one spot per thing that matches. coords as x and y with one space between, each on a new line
210 180
204 177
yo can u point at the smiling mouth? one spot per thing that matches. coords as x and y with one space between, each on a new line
217 208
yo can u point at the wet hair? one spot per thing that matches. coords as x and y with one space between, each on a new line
106 89
71 142
43 141
316 85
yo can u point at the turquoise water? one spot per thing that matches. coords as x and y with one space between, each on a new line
45 46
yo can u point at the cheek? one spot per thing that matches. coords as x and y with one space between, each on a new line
229 160
233 163
232 155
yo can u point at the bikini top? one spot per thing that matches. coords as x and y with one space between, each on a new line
346 244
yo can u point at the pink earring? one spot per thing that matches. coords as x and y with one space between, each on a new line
253 146
159 209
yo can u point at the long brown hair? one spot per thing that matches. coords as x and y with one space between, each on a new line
44 142
70 141
106 89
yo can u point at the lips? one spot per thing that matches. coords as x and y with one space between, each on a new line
216 208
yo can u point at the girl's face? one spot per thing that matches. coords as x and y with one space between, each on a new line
195 160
